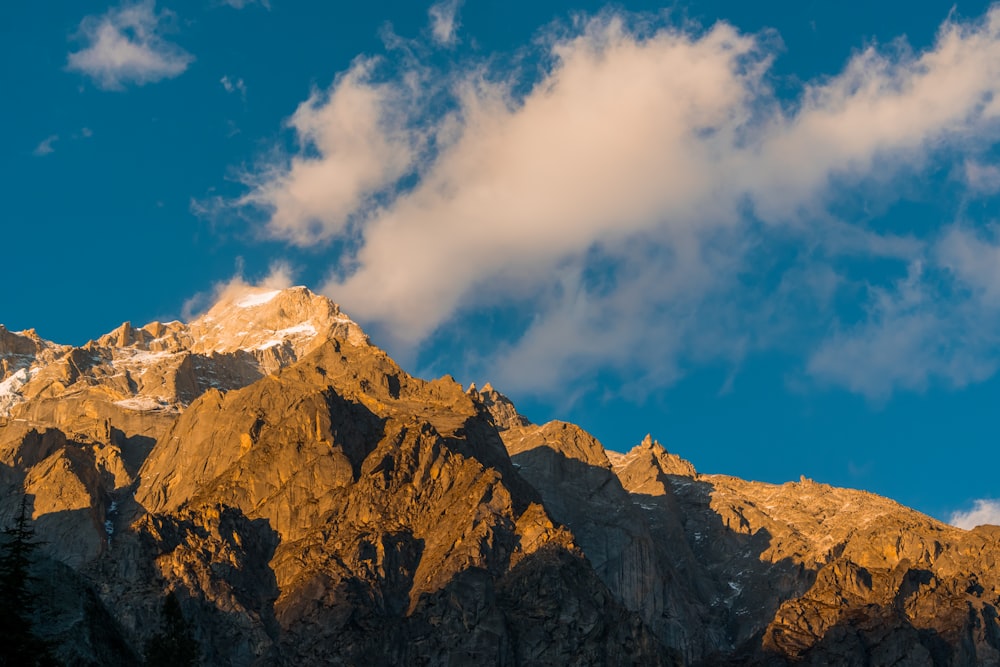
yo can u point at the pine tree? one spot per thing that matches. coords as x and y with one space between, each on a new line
174 645
18 645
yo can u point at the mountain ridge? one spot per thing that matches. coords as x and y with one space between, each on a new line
311 502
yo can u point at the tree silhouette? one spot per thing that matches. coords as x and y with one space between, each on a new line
18 645
174 645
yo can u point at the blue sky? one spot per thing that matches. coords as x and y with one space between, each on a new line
763 232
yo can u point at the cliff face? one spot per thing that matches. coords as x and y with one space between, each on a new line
309 502
726 570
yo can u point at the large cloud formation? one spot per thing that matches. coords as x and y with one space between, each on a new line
633 191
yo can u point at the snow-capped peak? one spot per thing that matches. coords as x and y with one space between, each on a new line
247 334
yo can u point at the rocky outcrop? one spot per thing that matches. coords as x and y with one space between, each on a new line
580 489
627 515
20 353
500 408
938 610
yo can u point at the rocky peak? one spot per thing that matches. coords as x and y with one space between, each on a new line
20 349
17 342
651 455
565 440
505 415
257 319
247 334
125 336
21 352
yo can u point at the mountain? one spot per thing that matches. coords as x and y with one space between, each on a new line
308 502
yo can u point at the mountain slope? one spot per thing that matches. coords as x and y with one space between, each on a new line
309 502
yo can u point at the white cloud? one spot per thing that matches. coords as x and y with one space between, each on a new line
983 512
444 21
885 104
599 151
234 86
352 146
124 46
45 146
633 136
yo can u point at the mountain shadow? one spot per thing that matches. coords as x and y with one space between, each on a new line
698 583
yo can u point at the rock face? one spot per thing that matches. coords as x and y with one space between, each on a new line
309 502
82 420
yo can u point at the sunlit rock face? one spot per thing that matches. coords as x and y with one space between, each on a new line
309 502
306 499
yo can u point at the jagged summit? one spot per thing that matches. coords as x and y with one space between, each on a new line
247 334
505 415
20 352
262 319
650 454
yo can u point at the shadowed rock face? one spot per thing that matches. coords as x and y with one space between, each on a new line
309 502
745 572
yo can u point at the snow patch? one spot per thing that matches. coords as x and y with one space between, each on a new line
142 356
259 299
282 335
10 389
14 382
307 329
142 404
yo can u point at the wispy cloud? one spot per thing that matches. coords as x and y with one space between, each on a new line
124 46
632 196
280 276
46 145
240 4
983 179
939 322
444 21
983 512
234 85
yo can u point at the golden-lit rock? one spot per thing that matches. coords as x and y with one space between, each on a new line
309 502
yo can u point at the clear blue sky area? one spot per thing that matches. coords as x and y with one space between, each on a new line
764 233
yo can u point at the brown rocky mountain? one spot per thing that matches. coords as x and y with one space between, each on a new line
309 502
